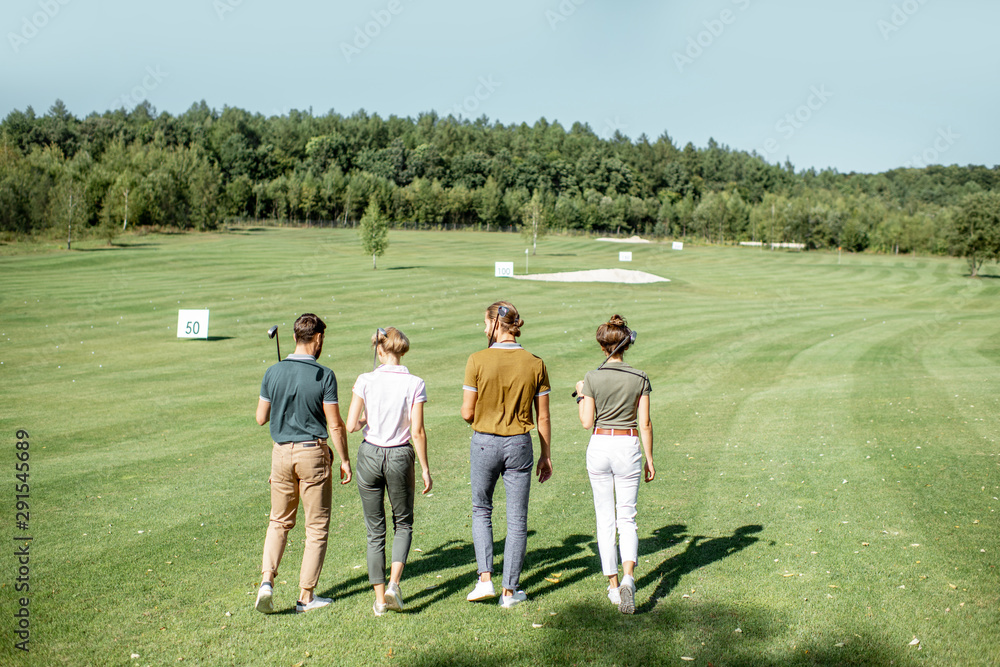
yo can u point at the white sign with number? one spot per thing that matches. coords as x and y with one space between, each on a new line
625 256
192 324
503 269
678 245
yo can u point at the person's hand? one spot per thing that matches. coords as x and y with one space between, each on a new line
544 469
579 388
428 482
345 472
649 471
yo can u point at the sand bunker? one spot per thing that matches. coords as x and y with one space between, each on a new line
597 276
631 239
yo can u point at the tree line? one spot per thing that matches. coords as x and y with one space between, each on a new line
203 167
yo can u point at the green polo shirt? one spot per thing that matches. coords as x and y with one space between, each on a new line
297 387
616 389
507 378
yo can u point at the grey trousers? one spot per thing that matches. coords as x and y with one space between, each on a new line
492 457
382 470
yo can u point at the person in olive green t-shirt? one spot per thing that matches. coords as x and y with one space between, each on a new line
614 402
503 384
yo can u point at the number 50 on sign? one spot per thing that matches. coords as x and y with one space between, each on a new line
192 324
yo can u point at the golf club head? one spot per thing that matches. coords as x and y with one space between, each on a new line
273 333
631 336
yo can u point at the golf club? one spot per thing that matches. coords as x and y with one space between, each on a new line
630 339
379 335
501 312
273 333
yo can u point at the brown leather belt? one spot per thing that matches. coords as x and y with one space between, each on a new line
319 442
616 431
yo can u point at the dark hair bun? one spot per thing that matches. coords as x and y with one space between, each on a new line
617 321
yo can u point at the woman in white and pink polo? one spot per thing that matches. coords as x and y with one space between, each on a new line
389 404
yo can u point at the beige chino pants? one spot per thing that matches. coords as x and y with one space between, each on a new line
299 474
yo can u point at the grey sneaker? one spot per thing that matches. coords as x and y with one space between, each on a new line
626 594
315 603
613 595
265 602
508 601
393 597
379 609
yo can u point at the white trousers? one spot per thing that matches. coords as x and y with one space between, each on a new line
614 463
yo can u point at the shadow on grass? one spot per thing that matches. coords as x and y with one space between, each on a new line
596 634
451 554
400 268
571 556
700 551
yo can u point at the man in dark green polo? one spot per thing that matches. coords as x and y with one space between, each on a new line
299 397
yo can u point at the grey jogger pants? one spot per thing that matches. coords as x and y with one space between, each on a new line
384 470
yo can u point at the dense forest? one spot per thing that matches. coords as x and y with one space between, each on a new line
205 167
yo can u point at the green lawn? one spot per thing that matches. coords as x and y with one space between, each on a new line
825 440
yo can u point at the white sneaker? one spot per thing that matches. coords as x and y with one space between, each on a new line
393 597
315 603
508 601
265 603
483 591
613 595
626 593
379 609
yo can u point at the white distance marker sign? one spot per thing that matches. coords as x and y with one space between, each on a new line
503 269
192 324
625 256
678 245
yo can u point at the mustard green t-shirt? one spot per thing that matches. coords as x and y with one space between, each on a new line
507 378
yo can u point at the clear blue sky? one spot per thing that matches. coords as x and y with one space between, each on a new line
859 85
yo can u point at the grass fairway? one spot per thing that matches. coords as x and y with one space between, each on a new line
825 443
